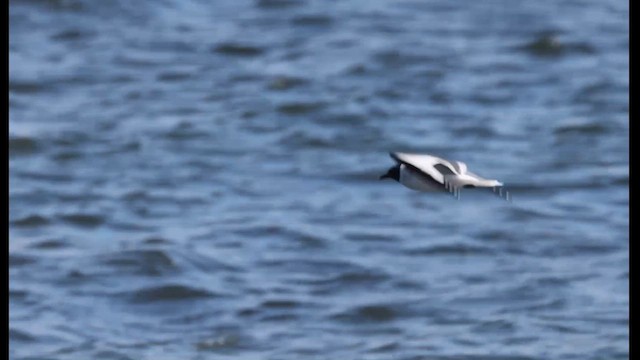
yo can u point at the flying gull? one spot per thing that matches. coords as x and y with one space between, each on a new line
428 173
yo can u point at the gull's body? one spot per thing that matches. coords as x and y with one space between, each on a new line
417 181
429 173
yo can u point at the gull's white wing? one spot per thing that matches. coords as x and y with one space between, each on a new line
469 179
428 164
454 183
453 173
461 168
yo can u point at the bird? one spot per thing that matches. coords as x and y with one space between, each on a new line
429 173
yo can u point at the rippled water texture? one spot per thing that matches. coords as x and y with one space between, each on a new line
199 179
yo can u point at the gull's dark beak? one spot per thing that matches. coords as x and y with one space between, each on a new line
393 174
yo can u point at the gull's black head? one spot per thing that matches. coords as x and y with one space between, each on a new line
393 173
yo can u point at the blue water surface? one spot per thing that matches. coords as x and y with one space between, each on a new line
197 179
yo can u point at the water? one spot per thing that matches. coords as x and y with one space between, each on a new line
195 180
